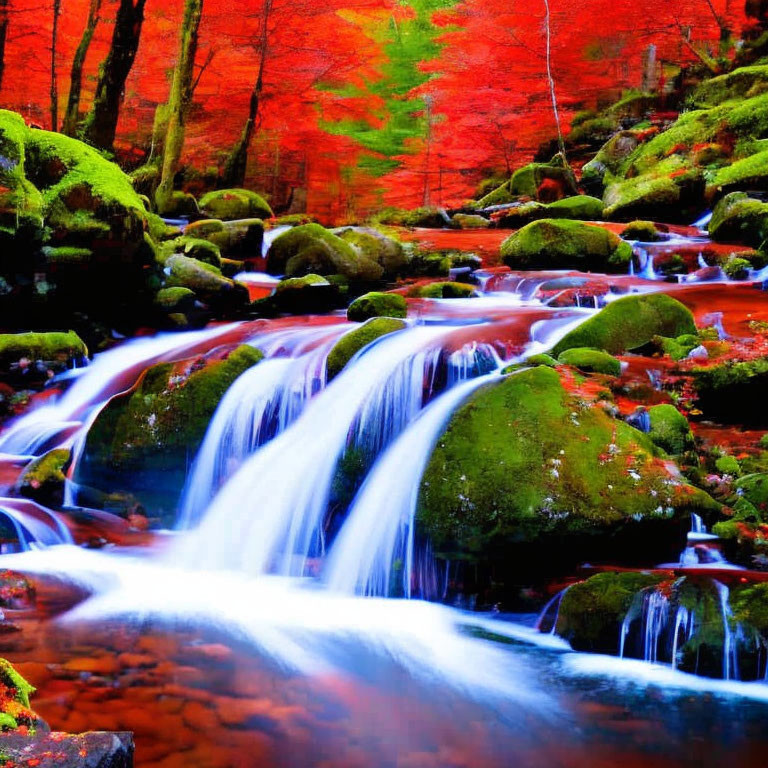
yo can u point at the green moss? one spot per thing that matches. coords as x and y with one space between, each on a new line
242 237
470 221
644 231
562 244
670 430
351 343
737 268
651 194
55 346
593 132
373 246
524 460
230 204
742 83
747 173
195 248
311 249
729 391
43 478
629 323
11 679
678 348
174 299
728 465
591 361
204 228
582 207
377 305
443 290
526 180
740 218
197 276
542 359
609 158
67 255
428 217
178 203
750 606
592 611
501 195
754 488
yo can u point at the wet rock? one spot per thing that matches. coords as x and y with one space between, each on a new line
29 359
739 218
377 305
43 478
470 221
591 361
95 749
670 430
730 392
374 246
232 204
563 244
443 290
644 231
308 294
742 83
351 343
205 280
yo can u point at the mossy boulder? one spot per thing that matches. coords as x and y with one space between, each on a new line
351 343
312 249
527 462
143 441
15 711
195 248
642 231
231 204
580 207
543 181
501 195
754 488
205 280
564 244
742 83
746 173
443 290
307 294
592 611
739 218
58 348
175 299
375 246
241 238
377 305
678 348
591 361
204 228
470 221
670 430
43 478
630 323
427 217
732 391
177 204
609 158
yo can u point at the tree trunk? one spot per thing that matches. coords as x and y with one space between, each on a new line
101 124
72 114
237 163
3 36
179 101
54 78
551 80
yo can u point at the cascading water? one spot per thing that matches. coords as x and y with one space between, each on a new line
262 402
730 645
378 533
33 526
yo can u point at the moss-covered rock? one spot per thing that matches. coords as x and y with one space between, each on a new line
195 248
562 244
526 461
374 246
178 203
739 218
143 441
15 711
591 361
629 323
470 221
427 217
231 204
204 228
58 348
731 391
670 430
742 83
351 343
592 611
312 249
643 231
205 280
678 348
543 181
377 305
501 195
443 290
747 173
307 294
609 158
43 478
241 238
579 207
174 299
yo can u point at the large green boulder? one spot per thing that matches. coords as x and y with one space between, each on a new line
609 158
377 304
564 244
470 221
443 290
580 207
630 323
591 361
739 218
143 442
232 204
43 478
56 347
732 391
304 295
312 249
527 462
749 173
205 280
194 247
374 246
529 181
351 343
670 430
742 83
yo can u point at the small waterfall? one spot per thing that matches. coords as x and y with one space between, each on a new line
646 264
656 615
34 526
269 515
730 645
270 236
702 222
552 606
261 403
701 550
109 373
378 533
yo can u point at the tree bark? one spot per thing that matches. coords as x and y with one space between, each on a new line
72 114
101 124
54 78
551 80
237 163
179 101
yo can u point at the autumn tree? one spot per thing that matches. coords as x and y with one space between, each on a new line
101 124
72 113
182 88
4 19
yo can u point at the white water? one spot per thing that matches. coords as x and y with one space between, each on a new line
33 525
730 648
379 531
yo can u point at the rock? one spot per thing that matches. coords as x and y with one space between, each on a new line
374 246
43 478
629 323
443 290
178 204
670 430
540 359
748 173
15 711
143 441
205 280
564 244
609 158
731 391
195 248
528 180
308 294
377 305
591 361
581 207
653 196
740 218
231 204
203 228
241 238
175 299
736 268
428 217
94 749
742 83
312 249
470 221
642 231
57 349
526 468
679 348
351 343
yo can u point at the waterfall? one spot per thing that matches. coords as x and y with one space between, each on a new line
378 532
656 614
730 645
269 515
34 526
262 402
109 373
553 605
